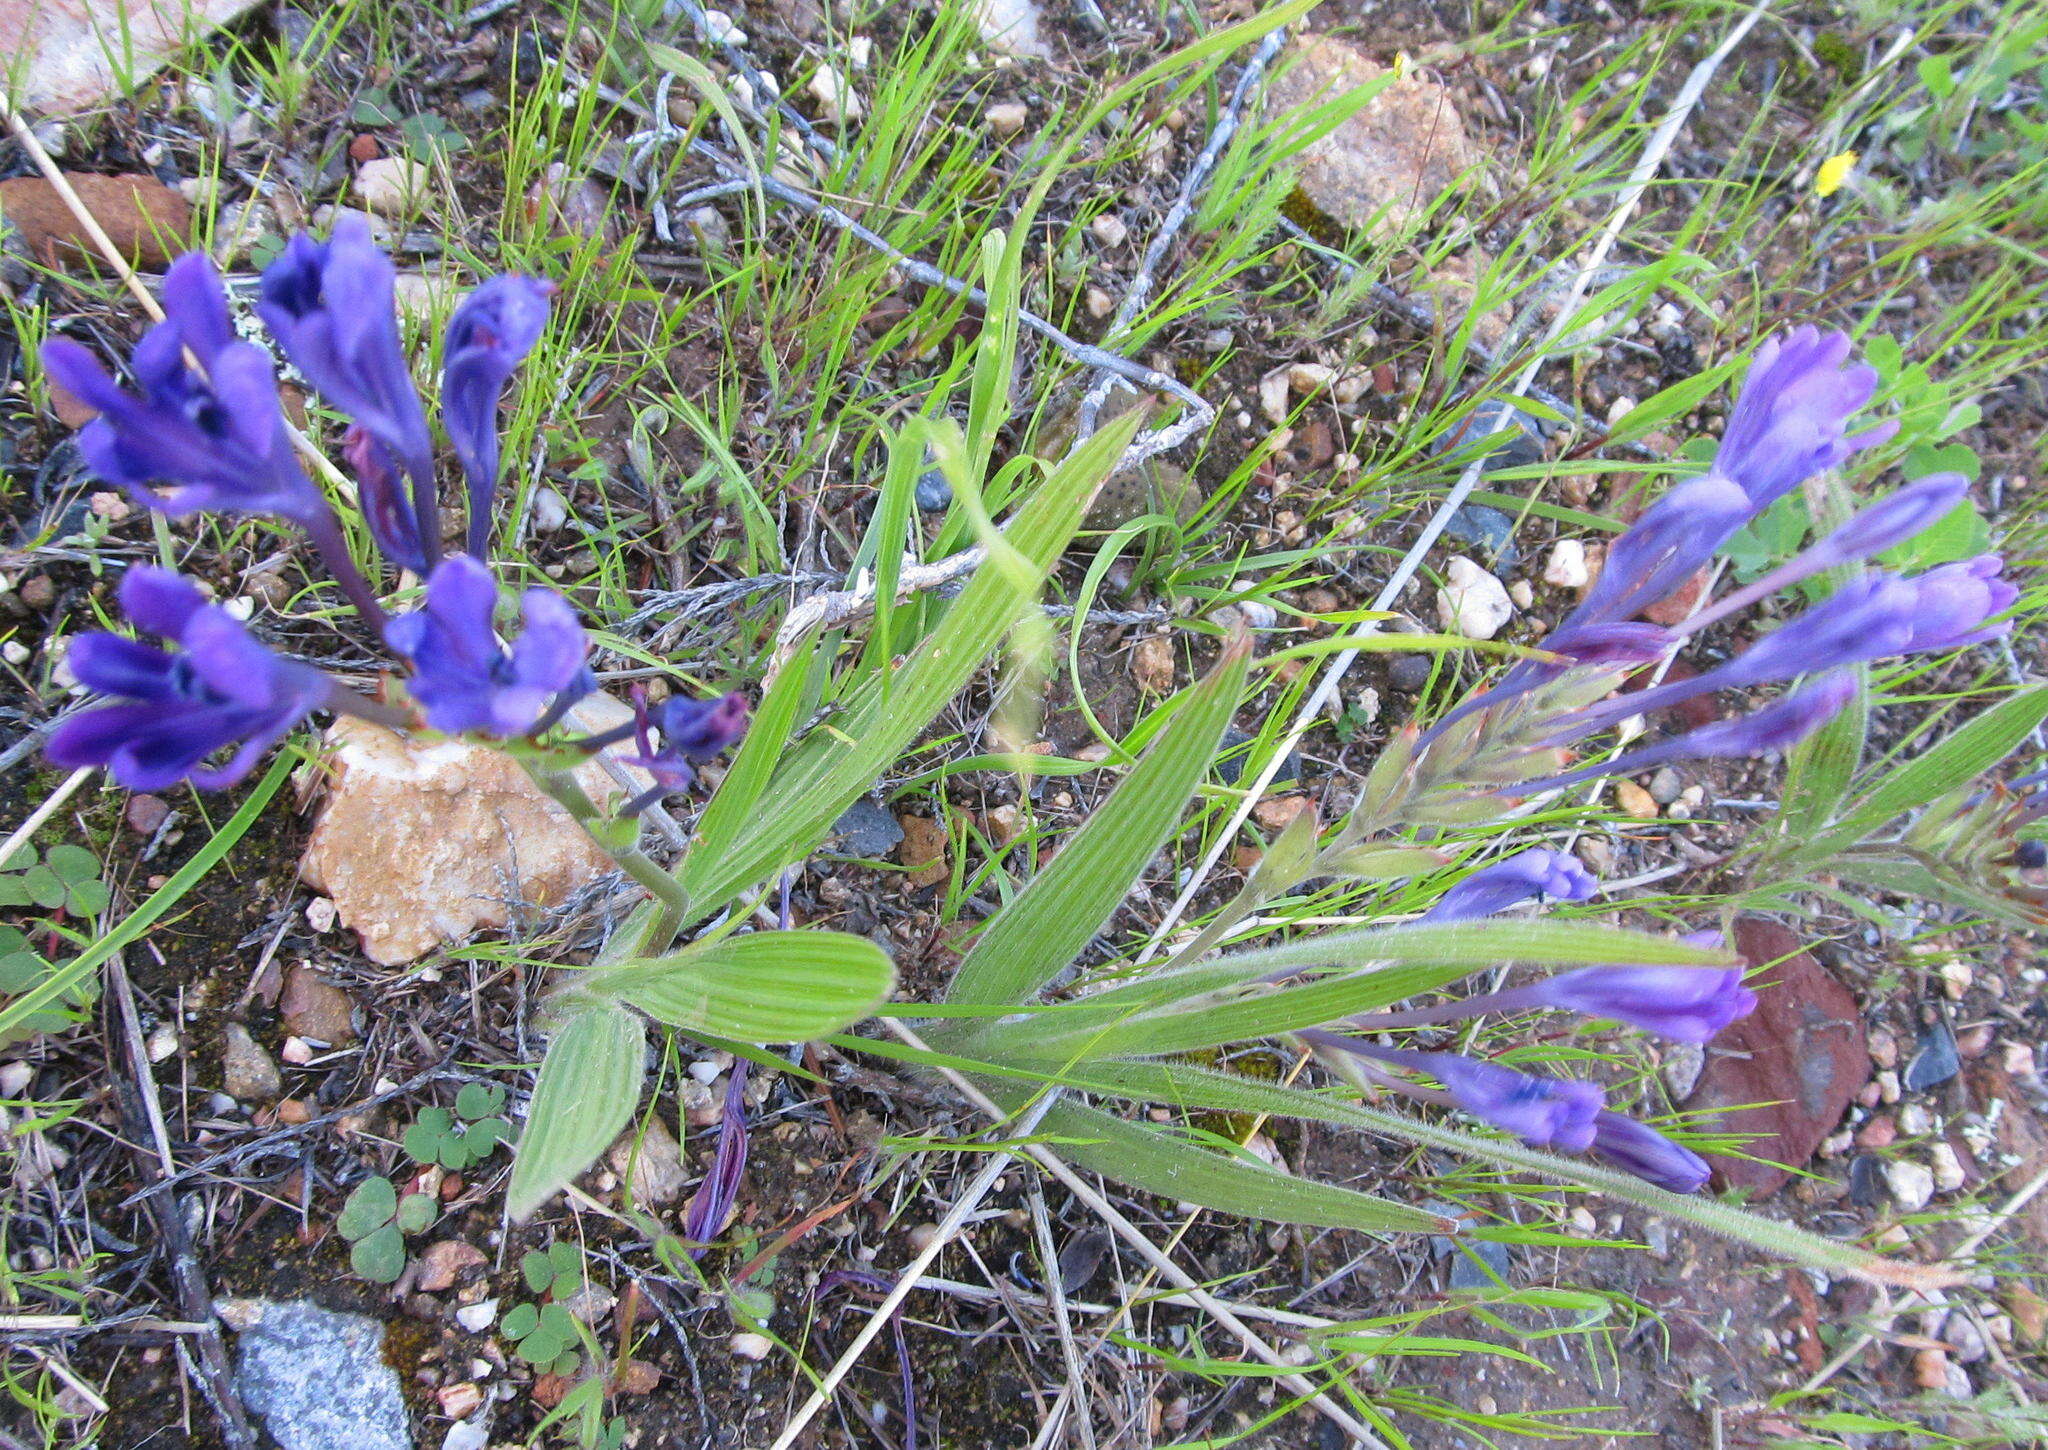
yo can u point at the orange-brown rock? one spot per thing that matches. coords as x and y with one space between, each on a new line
147 222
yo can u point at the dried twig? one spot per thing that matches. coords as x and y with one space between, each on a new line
208 1353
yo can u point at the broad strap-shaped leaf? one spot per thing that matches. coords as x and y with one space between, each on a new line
1406 960
1203 1088
1919 881
767 986
1045 928
1965 755
823 773
589 1083
1151 1159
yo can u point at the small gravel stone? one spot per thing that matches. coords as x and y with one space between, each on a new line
247 1072
1488 530
748 1345
1109 229
1946 1168
390 185
1935 1059
1007 118
1472 602
867 830
478 1317
1911 1185
1409 673
1665 786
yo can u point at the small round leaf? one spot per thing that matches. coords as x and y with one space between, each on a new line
380 1258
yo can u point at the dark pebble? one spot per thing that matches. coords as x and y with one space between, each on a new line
1081 1258
1465 1274
1488 530
1515 438
1230 761
934 494
867 830
1935 1060
1866 1181
145 813
1409 673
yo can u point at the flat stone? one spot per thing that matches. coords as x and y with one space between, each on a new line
68 60
866 830
1797 1061
1935 1059
147 222
391 185
1487 529
247 1073
657 1176
1466 1274
1389 162
1230 759
421 843
317 1379
1566 567
315 1008
442 1264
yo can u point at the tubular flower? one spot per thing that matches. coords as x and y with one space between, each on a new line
1544 1112
1791 418
463 678
211 437
222 690
1648 1154
1492 889
331 305
692 732
1684 1004
490 334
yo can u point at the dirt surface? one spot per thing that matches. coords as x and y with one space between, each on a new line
1658 1335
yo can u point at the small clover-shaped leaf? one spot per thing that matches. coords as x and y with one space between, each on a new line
369 1208
539 1272
380 1258
13 890
454 1153
45 887
566 1363
520 1321
483 1136
73 864
479 1100
415 1212
422 1144
88 898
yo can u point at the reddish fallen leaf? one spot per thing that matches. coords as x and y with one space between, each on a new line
1797 1061
147 222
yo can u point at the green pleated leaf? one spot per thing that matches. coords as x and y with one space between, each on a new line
768 986
822 774
1148 1158
1202 1088
1165 1012
589 1083
1049 923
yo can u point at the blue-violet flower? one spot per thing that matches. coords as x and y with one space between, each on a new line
463 678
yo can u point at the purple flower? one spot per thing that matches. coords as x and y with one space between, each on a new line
1544 1112
1491 889
711 1205
1648 1154
213 438
692 732
1777 726
490 333
1791 418
222 690
330 304
1685 1004
463 678
1661 550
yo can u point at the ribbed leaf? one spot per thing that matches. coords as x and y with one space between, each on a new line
1148 1158
824 772
768 986
1410 959
589 1083
1201 1088
1819 770
1052 919
1965 755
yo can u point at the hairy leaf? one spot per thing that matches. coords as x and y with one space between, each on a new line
589 1082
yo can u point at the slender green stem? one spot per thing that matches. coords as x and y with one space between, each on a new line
563 788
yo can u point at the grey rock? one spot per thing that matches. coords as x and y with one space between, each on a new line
934 494
1935 1061
1466 1274
1512 438
317 1379
1488 530
1230 764
867 830
247 1071
1409 672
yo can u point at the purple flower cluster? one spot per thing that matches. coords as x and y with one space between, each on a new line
204 430
1790 420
